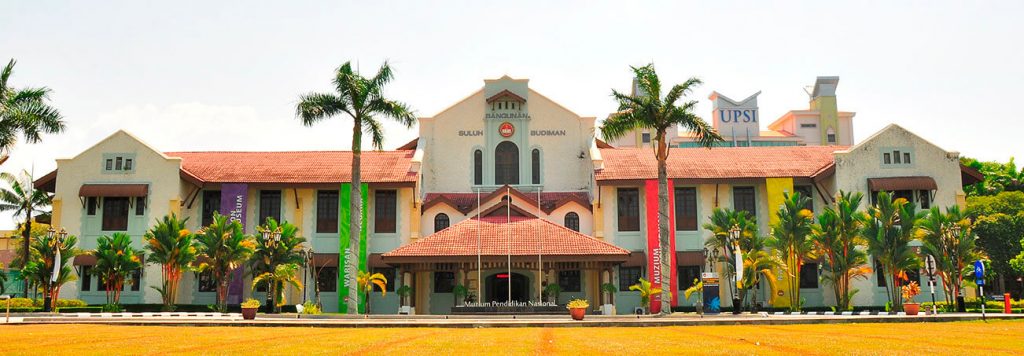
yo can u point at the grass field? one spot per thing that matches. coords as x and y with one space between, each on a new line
997 337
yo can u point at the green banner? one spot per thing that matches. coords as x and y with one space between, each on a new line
344 218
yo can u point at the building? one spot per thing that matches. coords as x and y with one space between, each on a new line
503 193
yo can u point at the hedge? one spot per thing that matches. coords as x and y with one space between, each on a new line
975 303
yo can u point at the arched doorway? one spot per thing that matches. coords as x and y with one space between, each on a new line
506 163
498 284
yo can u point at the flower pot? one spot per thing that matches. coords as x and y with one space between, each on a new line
249 313
911 308
577 313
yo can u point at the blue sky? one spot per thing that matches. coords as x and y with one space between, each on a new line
225 75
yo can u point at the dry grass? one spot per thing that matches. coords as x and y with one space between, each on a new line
997 337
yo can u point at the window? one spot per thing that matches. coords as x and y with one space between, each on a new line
134 282
115 214
831 138
211 203
743 199
90 205
140 206
645 137
327 279
925 198
389 274
478 167
86 278
384 211
572 221
887 158
206 283
808 126
686 209
506 163
809 275
906 157
879 274
569 280
628 276
535 166
118 164
629 209
327 211
444 282
806 192
896 157
109 164
127 164
270 206
441 222
686 275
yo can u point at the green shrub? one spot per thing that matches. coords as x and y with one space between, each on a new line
69 303
21 303
975 303
310 308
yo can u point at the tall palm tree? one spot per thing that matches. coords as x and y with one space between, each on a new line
115 261
26 111
23 200
953 251
841 247
226 248
361 99
172 246
647 109
273 251
889 233
791 239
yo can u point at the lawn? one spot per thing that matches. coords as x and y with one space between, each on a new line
997 337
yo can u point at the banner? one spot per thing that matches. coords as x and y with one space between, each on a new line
234 202
345 269
712 302
654 244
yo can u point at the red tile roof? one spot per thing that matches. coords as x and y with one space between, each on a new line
527 237
296 167
466 202
717 163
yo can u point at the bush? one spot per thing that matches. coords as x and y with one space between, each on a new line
975 303
21 303
70 303
310 308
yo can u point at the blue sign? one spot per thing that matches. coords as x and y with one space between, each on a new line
979 272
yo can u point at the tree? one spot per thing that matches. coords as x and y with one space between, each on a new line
646 109
22 200
282 245
38 271
226 249
841 247
999 224
282 273
791 239
999 177
949 238
366 282
115 262
361 99
172 246
758 264
889 233
24 111
646 291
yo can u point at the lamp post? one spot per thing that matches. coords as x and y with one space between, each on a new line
954 238
734 241
700 298
307 257
270 240
56 241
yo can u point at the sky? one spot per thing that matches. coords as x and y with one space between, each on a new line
226 75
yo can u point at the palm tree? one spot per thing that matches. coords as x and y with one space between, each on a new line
361 99
25 111
950 240
22 199
283 273
720 223
646 291
39 269
791 239
839 244
889 233
647 109
115 261
172 246
367 281
280 246
226 249
759 264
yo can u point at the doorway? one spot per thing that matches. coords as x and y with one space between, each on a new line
498 284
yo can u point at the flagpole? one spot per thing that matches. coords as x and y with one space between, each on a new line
479 266
540 254
508 224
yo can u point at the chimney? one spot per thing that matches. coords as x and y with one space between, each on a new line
823 100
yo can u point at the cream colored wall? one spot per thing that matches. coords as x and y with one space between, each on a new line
557 216
448 161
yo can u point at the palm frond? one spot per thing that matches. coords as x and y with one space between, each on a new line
314 107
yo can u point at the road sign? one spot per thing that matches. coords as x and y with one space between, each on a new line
979 272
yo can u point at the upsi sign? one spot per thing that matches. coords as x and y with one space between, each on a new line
506 129
729 116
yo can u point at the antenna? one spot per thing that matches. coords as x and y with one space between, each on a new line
809 89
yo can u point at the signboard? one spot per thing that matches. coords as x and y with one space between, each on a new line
234 202
979 272
654 244
712 302
350 261
506 129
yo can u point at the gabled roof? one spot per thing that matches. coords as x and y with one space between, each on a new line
505 94
496 237
296 167
466 202
717 163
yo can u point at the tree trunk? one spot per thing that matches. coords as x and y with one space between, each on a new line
355 218
26 239
666 249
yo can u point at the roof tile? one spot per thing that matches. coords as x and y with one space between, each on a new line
717 163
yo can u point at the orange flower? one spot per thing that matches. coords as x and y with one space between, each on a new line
183 233
135 258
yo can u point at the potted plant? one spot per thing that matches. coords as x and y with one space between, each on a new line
577 308
698 288
910 291
459 292
646 291
249 307
403 299
609 306
552 291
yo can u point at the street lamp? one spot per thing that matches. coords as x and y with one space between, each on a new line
307 257
734 240
56 242
953 234
270 240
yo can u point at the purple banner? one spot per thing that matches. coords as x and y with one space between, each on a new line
234 199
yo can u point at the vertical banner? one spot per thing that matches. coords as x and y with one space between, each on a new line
654 244
712 301
234 201
345 268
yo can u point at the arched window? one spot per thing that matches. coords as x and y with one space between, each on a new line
478 167
535 166
572 221
506 163
441 222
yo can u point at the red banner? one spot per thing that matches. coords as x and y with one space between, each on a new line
654 271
